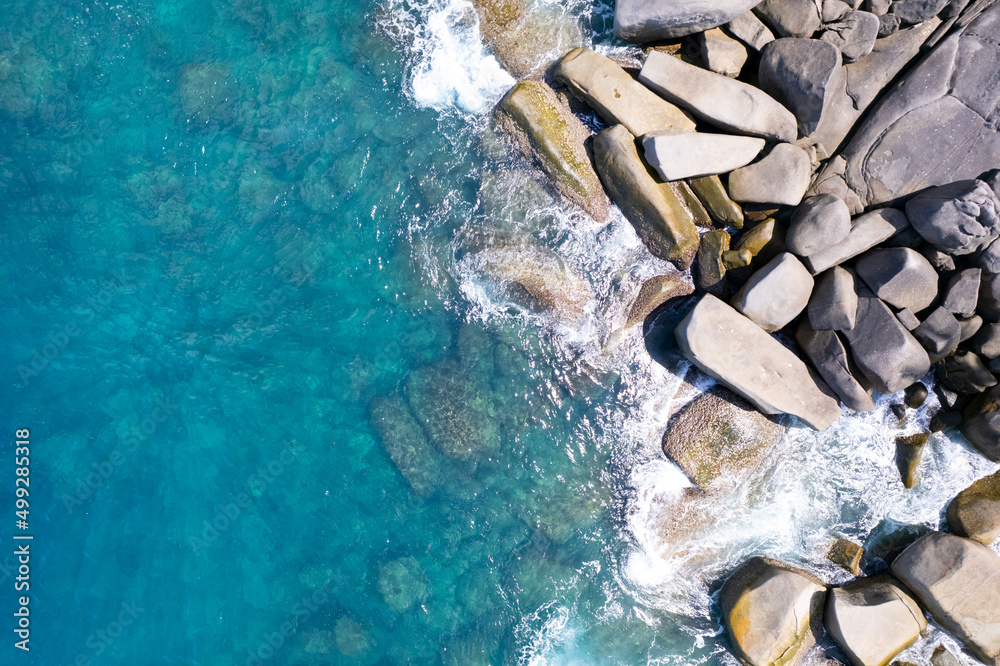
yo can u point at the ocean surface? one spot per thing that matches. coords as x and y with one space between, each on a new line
240 245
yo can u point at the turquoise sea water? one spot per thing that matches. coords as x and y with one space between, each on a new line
235 243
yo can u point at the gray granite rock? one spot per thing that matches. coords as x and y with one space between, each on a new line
987 342
962 293
867 231
981 425
989 257
769 610
721 53
941 261
970 327
601 83
958 218
803 75
790 18
776 294
781 177
718 100
917 11
908 319
888 25
748 29
853 35
873 619
965 373
834 10
643 21
679 155
958 580
819 222
735 351
901 148
833 305
829 357
661 221
899 276
975 512
940 333
887 353
989 297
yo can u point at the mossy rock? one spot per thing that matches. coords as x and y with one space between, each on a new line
545 130
406 443
401 583
975 512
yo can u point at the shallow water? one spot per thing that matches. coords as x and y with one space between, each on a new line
231 230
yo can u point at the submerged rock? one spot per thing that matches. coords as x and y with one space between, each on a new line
873 619
710 97
619 98
406 444
719 437
661 221
769 610
455 409
648 20
401 583
679 155
732 349
975 512
958 580
546 131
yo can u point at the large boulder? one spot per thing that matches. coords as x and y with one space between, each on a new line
958 218
961 296
975 512
853 34
819 222
679 155
790 18
940 333
958 580
982 424
523 34
650 20
601 83
781 177
716 99
770 611
867 231
750 30
802 74
720 207
776 294
721 53
654 292
888 354
965 373
873 619
828 355
833 305
719 437
545 130
938 125
405 442
735 351
662 222
899 276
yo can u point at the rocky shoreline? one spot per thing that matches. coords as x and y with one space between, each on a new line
827 173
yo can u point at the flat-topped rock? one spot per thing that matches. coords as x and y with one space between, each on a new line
887 353
726 103
802 74
735 351
975 512
546 130
853 34
662 222
829 357
819 222
867 231
781 177
776 294
679 155
750 30
901 148
769 609
721 53
643 21
619 98
833 305
940 333
790 18
873 619
958 581
899 276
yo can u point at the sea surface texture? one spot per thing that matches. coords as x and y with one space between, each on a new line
247 255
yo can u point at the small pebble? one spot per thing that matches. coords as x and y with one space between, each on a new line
915 395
